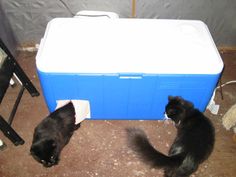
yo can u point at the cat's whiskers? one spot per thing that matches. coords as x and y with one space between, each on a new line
166 119
178 123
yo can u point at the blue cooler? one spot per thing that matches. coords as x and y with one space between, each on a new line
126 68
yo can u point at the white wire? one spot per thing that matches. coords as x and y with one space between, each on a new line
213 95
227 83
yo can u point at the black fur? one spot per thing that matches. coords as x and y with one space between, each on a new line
193 144
52 134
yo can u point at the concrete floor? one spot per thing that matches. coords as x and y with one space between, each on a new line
99 148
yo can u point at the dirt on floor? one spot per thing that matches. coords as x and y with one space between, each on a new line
99 148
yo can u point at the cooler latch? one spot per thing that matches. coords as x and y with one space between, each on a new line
130 75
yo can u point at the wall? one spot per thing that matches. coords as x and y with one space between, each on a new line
6 34
28 18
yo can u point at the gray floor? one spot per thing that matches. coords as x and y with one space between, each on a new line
99 148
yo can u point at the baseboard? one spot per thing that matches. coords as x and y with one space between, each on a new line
28 47
227 49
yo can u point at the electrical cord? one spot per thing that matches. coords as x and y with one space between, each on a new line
211 105
226 83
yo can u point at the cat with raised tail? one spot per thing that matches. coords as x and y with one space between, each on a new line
193 144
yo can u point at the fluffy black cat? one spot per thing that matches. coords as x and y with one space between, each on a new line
193 144
52 134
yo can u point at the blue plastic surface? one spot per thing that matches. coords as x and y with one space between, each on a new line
127 96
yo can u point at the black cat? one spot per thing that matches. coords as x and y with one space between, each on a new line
52 134
193 144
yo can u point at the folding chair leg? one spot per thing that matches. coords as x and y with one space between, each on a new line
10 133
13 112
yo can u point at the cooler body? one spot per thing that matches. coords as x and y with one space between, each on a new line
127 97
127 68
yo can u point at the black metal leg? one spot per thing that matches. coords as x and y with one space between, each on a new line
10 133
13 112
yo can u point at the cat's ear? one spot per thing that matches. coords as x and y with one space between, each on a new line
186 103
68 109
179 98
189 104
170 98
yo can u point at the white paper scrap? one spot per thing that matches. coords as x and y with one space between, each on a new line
82 109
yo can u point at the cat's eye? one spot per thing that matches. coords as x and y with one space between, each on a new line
172 112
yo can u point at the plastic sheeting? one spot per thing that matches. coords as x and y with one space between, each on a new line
6 34
28 18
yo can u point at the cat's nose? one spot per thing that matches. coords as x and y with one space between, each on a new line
53 161
48 164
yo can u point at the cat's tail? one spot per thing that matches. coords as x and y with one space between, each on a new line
138 141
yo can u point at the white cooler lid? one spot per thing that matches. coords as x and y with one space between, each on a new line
148 46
